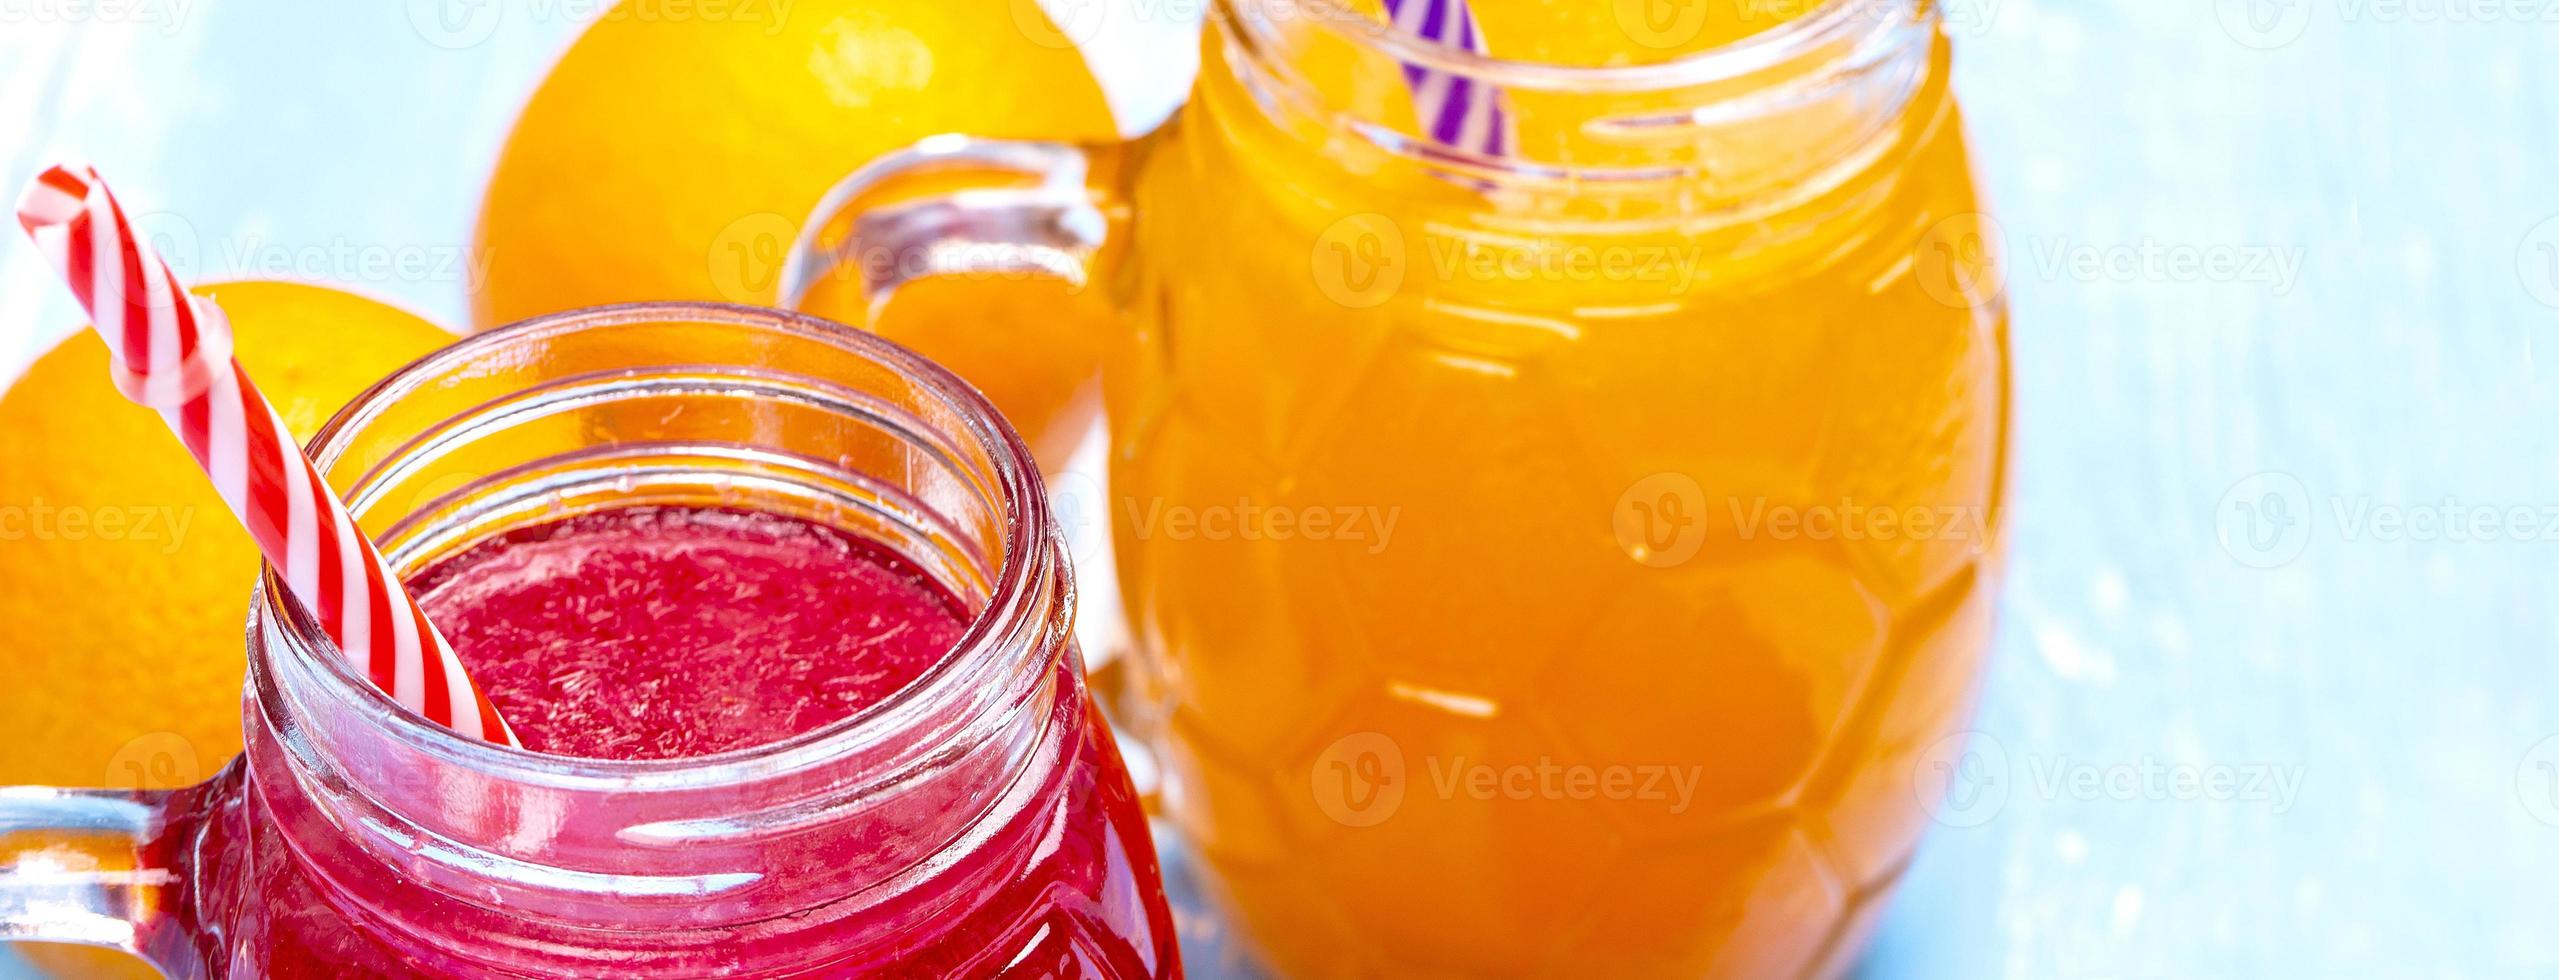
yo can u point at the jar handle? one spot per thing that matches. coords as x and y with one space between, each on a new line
86 867
956 205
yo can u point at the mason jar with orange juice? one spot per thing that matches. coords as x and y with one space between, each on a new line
1548 560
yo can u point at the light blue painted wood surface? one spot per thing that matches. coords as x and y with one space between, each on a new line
2283 271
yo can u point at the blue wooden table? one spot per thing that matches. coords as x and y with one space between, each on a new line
2278 676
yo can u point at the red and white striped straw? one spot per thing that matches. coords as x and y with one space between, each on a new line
172 353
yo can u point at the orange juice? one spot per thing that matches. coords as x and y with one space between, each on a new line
1560 570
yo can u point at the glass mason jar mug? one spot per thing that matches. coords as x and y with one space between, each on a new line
978 822
1554 560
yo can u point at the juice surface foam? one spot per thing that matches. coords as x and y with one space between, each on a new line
663 632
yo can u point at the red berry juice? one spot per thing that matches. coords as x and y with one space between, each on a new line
653 633
665 633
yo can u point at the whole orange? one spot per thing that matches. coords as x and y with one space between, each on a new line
129 577
668 159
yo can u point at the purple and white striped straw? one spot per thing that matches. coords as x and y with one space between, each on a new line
1458 112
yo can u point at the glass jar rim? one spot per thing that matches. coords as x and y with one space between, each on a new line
1855 23
1013 616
